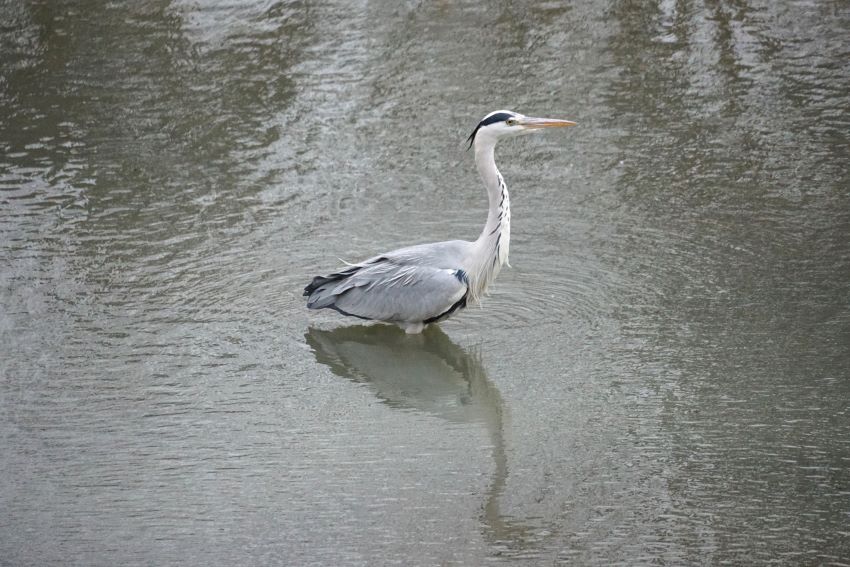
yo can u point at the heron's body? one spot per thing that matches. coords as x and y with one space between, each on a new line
427 283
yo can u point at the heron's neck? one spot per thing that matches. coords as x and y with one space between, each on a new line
491 248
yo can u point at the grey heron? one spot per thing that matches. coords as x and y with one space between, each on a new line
427 283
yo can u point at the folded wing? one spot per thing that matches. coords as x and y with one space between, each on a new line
388 289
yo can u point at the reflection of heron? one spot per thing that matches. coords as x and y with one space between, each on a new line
427 283
431 375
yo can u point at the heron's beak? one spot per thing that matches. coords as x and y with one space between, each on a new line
538 123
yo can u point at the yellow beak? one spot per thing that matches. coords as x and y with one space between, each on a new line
536 123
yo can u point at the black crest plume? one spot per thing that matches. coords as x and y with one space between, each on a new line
492 119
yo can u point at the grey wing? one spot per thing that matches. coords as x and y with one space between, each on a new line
386 290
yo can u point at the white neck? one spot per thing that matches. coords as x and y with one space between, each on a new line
491 249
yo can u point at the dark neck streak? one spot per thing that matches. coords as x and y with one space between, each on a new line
491 248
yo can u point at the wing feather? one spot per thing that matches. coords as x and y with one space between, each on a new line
392 287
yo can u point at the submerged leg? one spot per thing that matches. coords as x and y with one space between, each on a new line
412 328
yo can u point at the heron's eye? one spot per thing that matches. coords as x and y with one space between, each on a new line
511 121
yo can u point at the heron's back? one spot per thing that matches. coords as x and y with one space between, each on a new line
414 285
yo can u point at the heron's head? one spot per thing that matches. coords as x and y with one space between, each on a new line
507 124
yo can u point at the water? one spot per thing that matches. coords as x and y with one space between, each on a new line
662 378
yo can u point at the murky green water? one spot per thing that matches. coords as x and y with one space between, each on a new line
662 378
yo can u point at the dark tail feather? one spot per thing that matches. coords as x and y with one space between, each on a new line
316 289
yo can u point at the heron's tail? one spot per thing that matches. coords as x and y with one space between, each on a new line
320 291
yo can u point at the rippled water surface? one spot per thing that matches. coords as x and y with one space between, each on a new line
662 378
